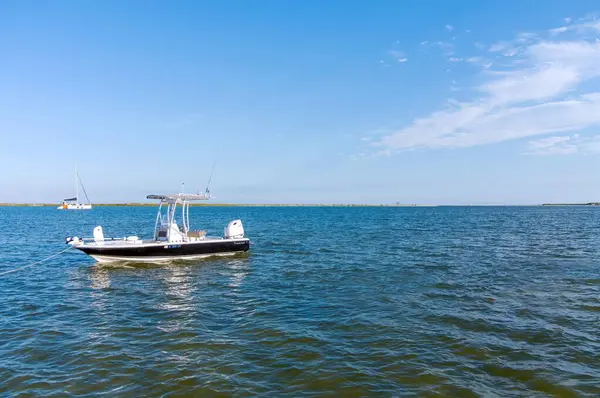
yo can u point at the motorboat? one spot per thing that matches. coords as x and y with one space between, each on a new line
73 203
171 240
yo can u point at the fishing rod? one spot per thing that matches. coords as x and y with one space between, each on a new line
207 190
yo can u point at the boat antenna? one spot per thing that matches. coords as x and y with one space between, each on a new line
207 190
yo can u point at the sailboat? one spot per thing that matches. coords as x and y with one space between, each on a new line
73 203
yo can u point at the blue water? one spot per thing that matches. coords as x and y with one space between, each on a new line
494 302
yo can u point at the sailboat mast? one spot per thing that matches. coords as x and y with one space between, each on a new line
76 187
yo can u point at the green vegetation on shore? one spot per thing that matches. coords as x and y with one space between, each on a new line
133 204
572 204
223 205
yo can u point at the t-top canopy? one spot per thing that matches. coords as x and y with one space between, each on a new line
179 197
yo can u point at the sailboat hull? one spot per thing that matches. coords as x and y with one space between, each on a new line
75 207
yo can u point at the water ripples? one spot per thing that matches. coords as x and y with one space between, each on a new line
330 301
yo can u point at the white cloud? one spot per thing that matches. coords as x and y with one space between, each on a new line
399 56
550 141
500 46
449 28
537 92
479 124
515 46
526 37
447 48
564 145
478 61
553 146
507 49
559 30
584 26
529 86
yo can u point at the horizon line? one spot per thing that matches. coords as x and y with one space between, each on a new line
150 204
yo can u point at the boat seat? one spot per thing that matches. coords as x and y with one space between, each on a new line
196 234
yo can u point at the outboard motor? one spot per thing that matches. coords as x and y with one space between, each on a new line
98 235
234 230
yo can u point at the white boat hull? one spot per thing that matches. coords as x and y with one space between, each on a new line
153 251
75 207
156 259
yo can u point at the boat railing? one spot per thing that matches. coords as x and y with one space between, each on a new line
107 239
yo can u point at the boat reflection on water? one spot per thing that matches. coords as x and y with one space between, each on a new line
99 278
179 286
172 302
239 270
179 278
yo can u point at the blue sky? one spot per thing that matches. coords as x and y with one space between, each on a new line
302 101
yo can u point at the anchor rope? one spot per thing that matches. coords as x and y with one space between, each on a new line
35 263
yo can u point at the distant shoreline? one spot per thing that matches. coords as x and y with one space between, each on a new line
572 204
219 205
133 204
